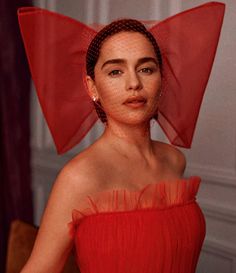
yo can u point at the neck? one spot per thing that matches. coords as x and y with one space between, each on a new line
132 141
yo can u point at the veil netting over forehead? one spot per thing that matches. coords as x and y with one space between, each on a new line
56 47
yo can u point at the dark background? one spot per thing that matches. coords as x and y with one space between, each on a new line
15 173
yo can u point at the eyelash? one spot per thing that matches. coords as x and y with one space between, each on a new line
112 72
150 70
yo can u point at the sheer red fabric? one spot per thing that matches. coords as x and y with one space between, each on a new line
56 47
159 228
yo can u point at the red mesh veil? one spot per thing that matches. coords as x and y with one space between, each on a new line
56 47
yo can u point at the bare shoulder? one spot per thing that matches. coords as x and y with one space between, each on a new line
69 190
80 174
73 183
174 157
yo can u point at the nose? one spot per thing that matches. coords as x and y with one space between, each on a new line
133 81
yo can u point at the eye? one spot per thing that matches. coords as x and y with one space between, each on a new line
147 70
115 72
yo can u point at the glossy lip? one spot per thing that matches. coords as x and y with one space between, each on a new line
135 104
136 99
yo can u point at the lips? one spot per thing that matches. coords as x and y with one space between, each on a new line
135 99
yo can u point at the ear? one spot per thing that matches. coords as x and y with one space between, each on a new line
91 87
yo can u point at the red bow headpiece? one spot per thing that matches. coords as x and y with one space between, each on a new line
56 48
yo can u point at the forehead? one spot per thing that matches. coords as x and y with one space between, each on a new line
126 45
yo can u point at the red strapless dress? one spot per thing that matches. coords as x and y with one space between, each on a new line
159 229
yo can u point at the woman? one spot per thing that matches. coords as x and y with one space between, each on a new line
132 209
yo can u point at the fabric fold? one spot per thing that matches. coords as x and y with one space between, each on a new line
161 195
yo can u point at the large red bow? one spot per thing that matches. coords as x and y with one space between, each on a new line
56 47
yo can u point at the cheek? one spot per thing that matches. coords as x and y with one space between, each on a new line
153 85
109 92
107 86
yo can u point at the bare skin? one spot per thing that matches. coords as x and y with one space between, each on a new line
130 170
123 71
125 156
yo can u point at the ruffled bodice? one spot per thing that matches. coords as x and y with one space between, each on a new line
158 229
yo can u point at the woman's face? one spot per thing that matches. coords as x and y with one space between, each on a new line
127 67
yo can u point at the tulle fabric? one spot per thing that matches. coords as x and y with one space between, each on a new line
56 47
188 43
160 195
159 228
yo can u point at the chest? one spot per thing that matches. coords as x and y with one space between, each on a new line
118 173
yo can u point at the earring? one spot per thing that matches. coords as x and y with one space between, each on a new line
94 98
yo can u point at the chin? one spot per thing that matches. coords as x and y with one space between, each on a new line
134 120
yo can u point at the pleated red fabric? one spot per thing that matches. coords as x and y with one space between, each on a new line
56 47
158 229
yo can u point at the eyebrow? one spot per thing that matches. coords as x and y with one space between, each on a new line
123 61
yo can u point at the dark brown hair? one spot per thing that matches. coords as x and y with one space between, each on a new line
93 52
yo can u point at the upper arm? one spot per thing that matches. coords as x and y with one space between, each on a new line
53 243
